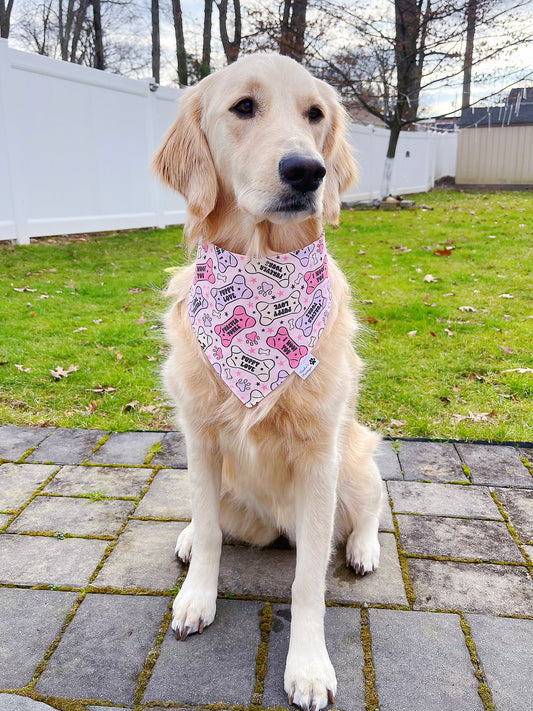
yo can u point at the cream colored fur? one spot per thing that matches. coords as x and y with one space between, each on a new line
298 463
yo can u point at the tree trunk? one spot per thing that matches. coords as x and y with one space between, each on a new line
406 53
471 17
293 24
395 129
180 43
5 18
156 42
231 48
99 55
205 67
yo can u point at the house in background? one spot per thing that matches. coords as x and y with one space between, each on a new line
495 148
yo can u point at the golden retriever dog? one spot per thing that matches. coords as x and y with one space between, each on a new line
258 151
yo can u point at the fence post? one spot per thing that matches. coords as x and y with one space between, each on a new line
6 136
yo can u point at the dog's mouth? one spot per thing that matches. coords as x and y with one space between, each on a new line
295 204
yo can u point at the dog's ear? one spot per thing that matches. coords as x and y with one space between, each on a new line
341 169
184 161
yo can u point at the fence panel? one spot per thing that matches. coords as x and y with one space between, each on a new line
76 147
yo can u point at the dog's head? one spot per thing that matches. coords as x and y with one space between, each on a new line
264 136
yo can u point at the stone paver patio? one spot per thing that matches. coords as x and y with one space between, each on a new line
88 522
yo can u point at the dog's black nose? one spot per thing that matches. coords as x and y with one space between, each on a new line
302 172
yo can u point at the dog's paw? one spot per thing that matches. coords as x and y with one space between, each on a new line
362 552
183 548
310 681
192 611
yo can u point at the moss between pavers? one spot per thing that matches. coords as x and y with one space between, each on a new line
483 688
528 563
409 592
152 657
369 672
261 658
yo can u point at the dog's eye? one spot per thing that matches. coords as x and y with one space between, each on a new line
244 108
315 114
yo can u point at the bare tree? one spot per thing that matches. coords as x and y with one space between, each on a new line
293 25
205 67
156 42
99 54
181 54
5 17
231 47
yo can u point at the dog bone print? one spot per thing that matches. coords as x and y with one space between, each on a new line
283 343
236 289
282 375
306 322
204 339
197 302
277 309
255 366
270 268
234 325
264 351
317 276
255 397
225 259
204 272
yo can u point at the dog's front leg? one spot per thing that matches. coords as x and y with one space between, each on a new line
195 605
310 680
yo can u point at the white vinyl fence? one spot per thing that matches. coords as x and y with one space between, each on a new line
76 145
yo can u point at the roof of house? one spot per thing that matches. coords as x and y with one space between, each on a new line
517 110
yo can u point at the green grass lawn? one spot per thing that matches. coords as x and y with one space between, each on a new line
444 296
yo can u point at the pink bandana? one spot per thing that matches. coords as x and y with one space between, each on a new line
257 319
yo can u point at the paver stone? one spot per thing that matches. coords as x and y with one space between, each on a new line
111 481
103 650
498 465
30 621
422 662
16 441
19 481
168 496
216 666
432 461
65 446
126 448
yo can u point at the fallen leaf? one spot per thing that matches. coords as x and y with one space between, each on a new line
430 277
24 288
130 405
361 253
60 372
475 376
450 333
367 301
432 333
136 290
97 320
397 423
151 358
102 389
22 368
467 308
91 407
119 356
506 296
518 370
374 276
412 333
81 328
148 408
446 252
369 319
449 294
506 349
141 320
